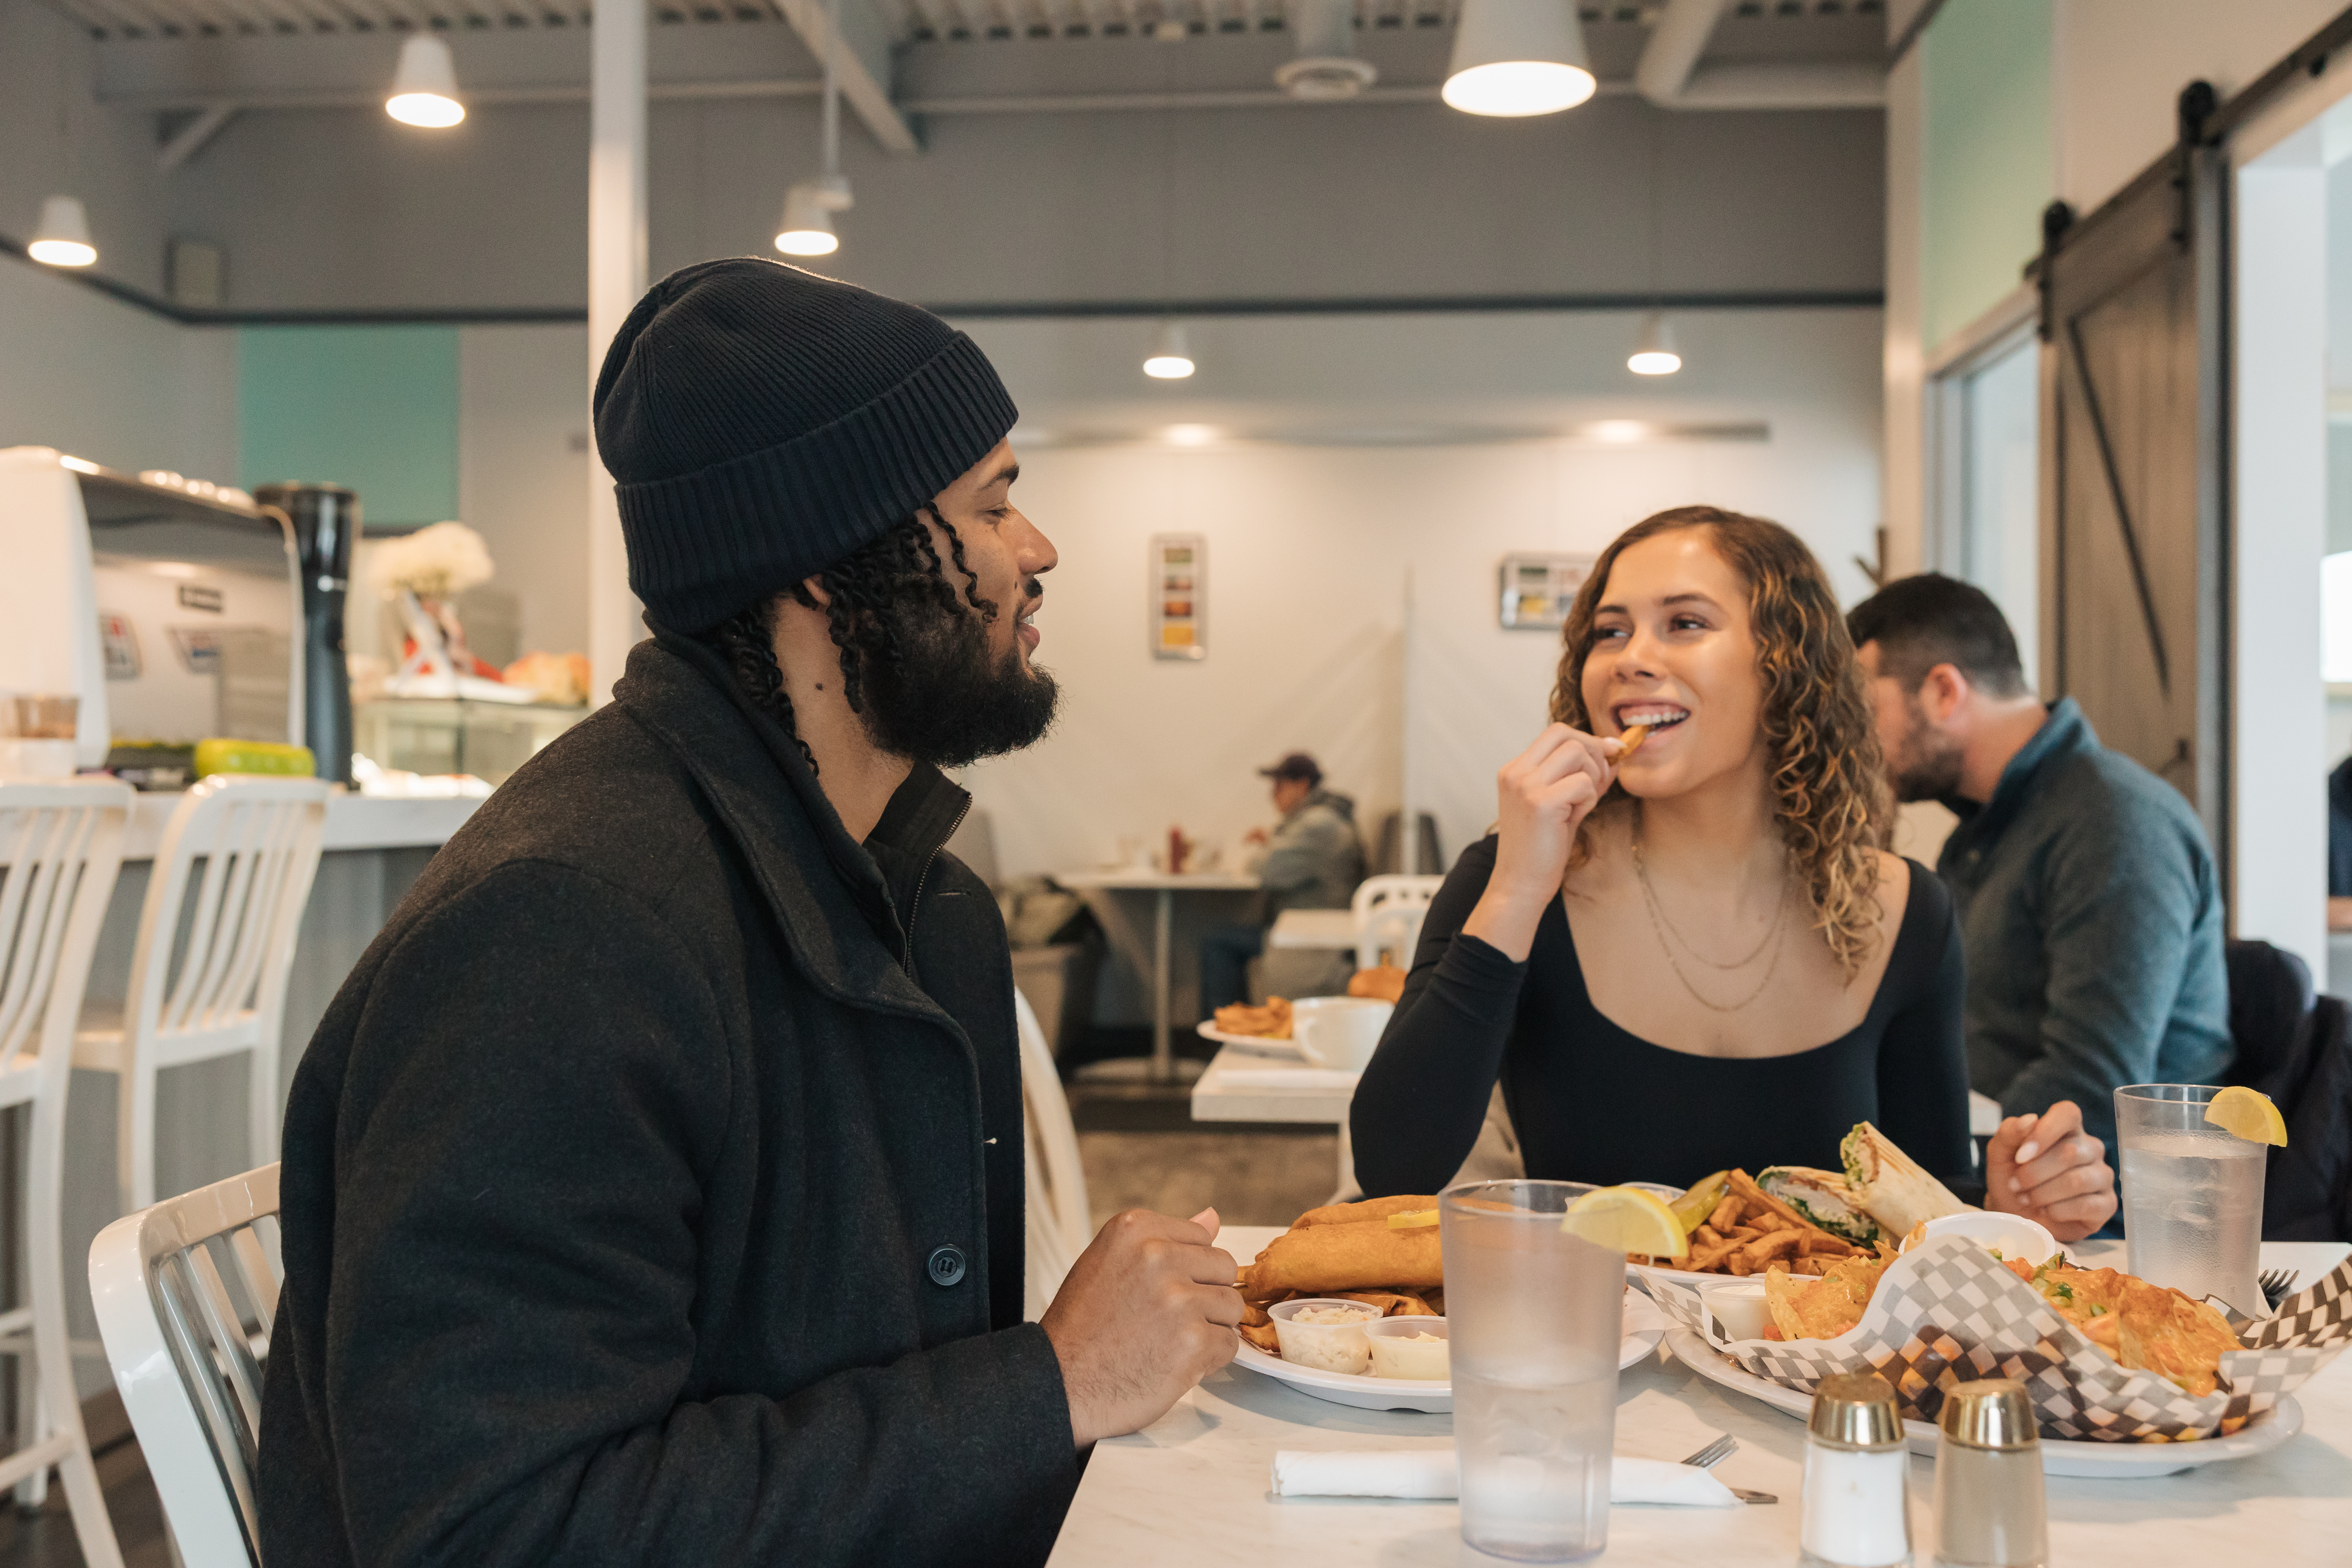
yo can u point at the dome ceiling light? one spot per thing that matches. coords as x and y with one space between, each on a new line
63 237
1172 357
1325 68
425 88
1517 58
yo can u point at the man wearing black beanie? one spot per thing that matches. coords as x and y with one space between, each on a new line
652 1190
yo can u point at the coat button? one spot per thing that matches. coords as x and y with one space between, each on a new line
946 1266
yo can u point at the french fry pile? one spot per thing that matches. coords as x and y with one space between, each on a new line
1749 1231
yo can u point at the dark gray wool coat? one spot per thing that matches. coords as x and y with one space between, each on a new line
653 1188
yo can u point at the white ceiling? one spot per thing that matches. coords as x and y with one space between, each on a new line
911 21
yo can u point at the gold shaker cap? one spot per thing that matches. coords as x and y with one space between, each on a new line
1993 1414
1856 1410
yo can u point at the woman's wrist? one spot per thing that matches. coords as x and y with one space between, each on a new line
1504 919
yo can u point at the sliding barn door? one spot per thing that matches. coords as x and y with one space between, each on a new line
2134 540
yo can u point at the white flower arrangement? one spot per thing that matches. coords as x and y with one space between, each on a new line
436 563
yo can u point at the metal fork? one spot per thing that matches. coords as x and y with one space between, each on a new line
1714 1454
2276 1284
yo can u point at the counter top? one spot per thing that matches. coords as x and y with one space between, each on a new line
354 822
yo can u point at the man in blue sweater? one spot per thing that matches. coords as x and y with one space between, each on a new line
2089 907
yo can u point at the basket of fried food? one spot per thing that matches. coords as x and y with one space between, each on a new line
2105 1356
1350 1252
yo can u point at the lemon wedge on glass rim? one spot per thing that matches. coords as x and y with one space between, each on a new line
2249 1114
1626 1219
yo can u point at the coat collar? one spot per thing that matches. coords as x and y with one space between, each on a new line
832 899
2062 734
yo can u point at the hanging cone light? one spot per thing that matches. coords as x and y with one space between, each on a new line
1172 357
1517 57
425 88
63 239
809 205
1653 351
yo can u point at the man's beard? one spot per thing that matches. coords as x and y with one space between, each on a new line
948 699
1928 764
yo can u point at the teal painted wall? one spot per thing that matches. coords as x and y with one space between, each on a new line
375 408
1989 165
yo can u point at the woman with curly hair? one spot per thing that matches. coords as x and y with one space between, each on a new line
1697 955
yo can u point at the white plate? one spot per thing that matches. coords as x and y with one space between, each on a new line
1286 1050
1645 1326
2098 1461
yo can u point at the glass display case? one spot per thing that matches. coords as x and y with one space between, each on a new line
453 735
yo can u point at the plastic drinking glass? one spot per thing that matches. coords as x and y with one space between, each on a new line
2192 1194
1534 1317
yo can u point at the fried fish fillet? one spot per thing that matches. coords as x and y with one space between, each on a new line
1360 1254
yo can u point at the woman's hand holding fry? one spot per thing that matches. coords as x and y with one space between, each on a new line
1545 793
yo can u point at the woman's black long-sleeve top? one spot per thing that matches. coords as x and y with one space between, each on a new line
1592 1102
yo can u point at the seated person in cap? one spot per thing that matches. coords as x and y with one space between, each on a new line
1312 860
2089 909
653 1188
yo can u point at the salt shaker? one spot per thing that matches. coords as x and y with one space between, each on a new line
1989 1506
1856 1512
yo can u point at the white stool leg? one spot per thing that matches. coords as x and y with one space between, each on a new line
52 1358
261 1095
135 1131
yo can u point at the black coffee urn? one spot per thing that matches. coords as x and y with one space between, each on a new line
326 520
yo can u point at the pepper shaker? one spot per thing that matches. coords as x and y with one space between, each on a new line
1856 1508
1990 1511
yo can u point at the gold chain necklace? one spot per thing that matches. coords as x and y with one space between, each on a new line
1661 925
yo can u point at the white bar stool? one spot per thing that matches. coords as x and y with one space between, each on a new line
258 838
60 849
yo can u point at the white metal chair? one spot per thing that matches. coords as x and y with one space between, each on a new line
1388 910
233 934
1058 1222
185 1293
60 849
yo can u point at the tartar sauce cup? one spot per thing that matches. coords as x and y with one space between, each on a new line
1327 1347
1399 1351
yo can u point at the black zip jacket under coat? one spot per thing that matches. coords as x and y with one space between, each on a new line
653 1191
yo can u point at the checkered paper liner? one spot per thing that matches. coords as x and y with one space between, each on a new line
1948 1312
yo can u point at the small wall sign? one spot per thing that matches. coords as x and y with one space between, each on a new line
1180 596
1537 590
200 596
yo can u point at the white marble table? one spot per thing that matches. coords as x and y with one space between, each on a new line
1190 1492
1163 886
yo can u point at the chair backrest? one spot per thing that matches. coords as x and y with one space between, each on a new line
2308 1191
1373 892
2270 997
60 849
1060 1224
258 838
1393 928
185 1293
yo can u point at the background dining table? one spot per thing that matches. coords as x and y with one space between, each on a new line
1191 1490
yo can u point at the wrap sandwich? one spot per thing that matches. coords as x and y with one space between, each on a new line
1889 1185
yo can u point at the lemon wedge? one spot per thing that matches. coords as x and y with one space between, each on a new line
1627 1219
1412 1219
2247 1114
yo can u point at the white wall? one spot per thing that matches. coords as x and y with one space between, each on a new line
523 470
104 381
1309 548
2117 67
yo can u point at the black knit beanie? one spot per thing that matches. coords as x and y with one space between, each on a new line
763 422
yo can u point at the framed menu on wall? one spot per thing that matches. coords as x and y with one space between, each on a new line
1180 596
1537 590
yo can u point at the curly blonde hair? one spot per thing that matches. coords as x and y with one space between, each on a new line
1828 786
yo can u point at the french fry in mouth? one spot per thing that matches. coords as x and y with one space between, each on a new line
1632 740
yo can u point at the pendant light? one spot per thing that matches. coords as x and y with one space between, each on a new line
1517 57
63 239
1172 357
808 204
425 88
1654 350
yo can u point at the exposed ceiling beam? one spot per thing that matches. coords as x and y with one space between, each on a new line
189 140
863 64
1669 73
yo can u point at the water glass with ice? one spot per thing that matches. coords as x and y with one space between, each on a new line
1535 1315
2192 1194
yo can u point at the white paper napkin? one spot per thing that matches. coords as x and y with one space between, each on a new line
1429 1473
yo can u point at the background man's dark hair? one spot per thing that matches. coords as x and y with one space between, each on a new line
1921 622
